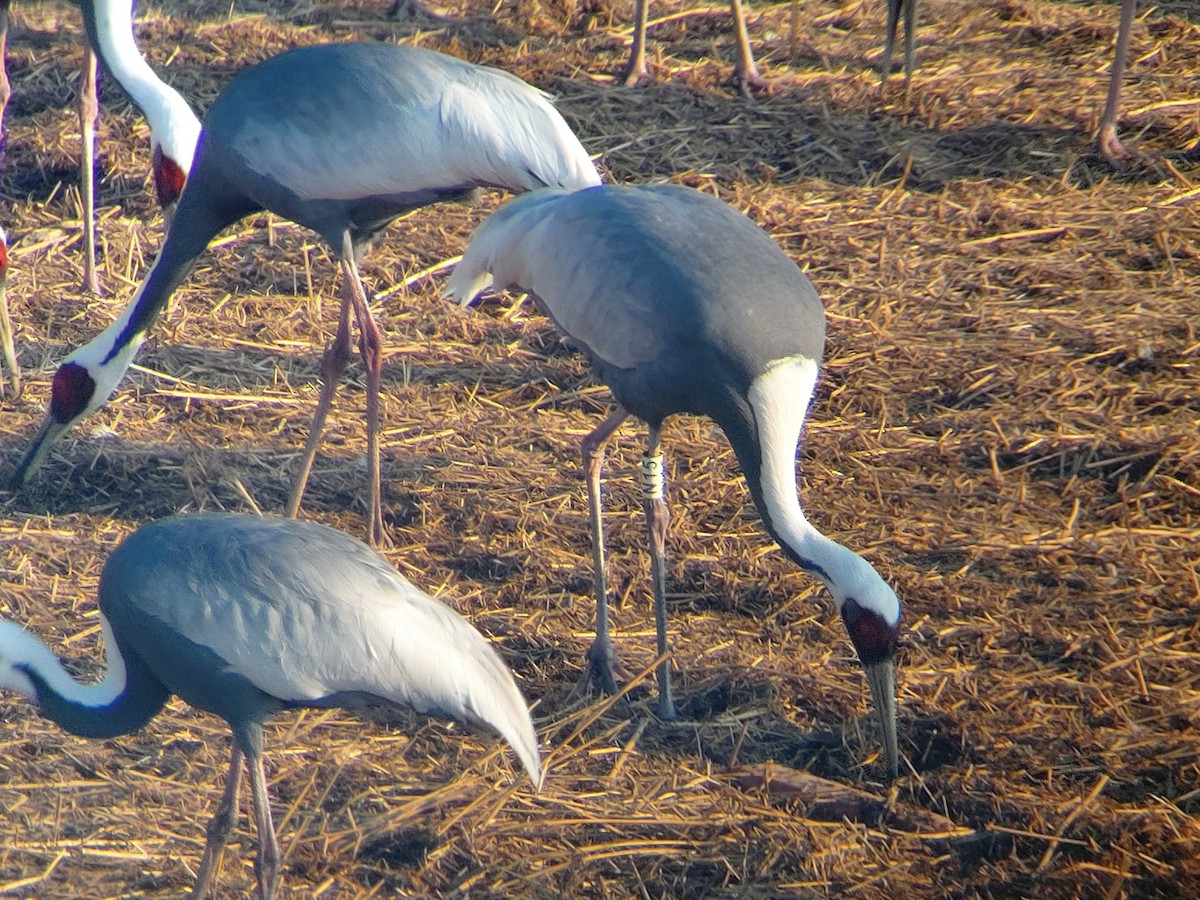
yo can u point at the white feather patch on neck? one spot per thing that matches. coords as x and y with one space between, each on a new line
780 398
20 650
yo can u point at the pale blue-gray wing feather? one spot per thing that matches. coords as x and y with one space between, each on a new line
304 612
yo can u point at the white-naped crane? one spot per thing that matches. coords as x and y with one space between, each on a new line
683 305
174 128
244 616
340 138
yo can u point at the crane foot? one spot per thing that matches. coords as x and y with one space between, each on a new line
600 669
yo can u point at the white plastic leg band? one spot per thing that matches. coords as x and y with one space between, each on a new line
653 477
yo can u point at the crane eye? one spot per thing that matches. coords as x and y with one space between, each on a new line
70 392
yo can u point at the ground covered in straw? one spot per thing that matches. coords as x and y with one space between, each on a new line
1006 427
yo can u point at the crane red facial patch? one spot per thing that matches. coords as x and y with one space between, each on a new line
168 177
873 638
70 392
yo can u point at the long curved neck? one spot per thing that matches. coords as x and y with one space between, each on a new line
125 699
765 442
109 25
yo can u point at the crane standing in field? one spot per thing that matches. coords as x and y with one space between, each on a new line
243 616
341 138
683 305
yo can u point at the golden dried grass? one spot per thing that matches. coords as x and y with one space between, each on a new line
1007 427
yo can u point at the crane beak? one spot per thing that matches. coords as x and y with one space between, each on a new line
881 676
47 435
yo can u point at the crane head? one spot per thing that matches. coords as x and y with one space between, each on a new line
71 393
875 639
82 384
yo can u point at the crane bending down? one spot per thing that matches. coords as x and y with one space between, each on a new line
174 128
243 616
341 138
683 305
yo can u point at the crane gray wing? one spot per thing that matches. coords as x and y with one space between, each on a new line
386 120
304 612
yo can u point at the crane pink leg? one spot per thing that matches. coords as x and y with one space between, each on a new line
89 110
635 69
6 333
5 87
221 827
333 364
370 347
600 657
745 72
1106 133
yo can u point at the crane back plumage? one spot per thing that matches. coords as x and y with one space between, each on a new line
656 330
242 616
388 128
307 615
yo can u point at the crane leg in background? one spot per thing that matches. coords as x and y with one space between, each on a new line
370 347
658 517
745 72
635 69
894 8
1106 133
6 332
10 350
89 110
333 364
5 87
220 827
600 658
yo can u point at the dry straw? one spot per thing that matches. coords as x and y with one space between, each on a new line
1007 426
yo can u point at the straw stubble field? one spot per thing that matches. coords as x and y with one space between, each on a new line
1006 427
